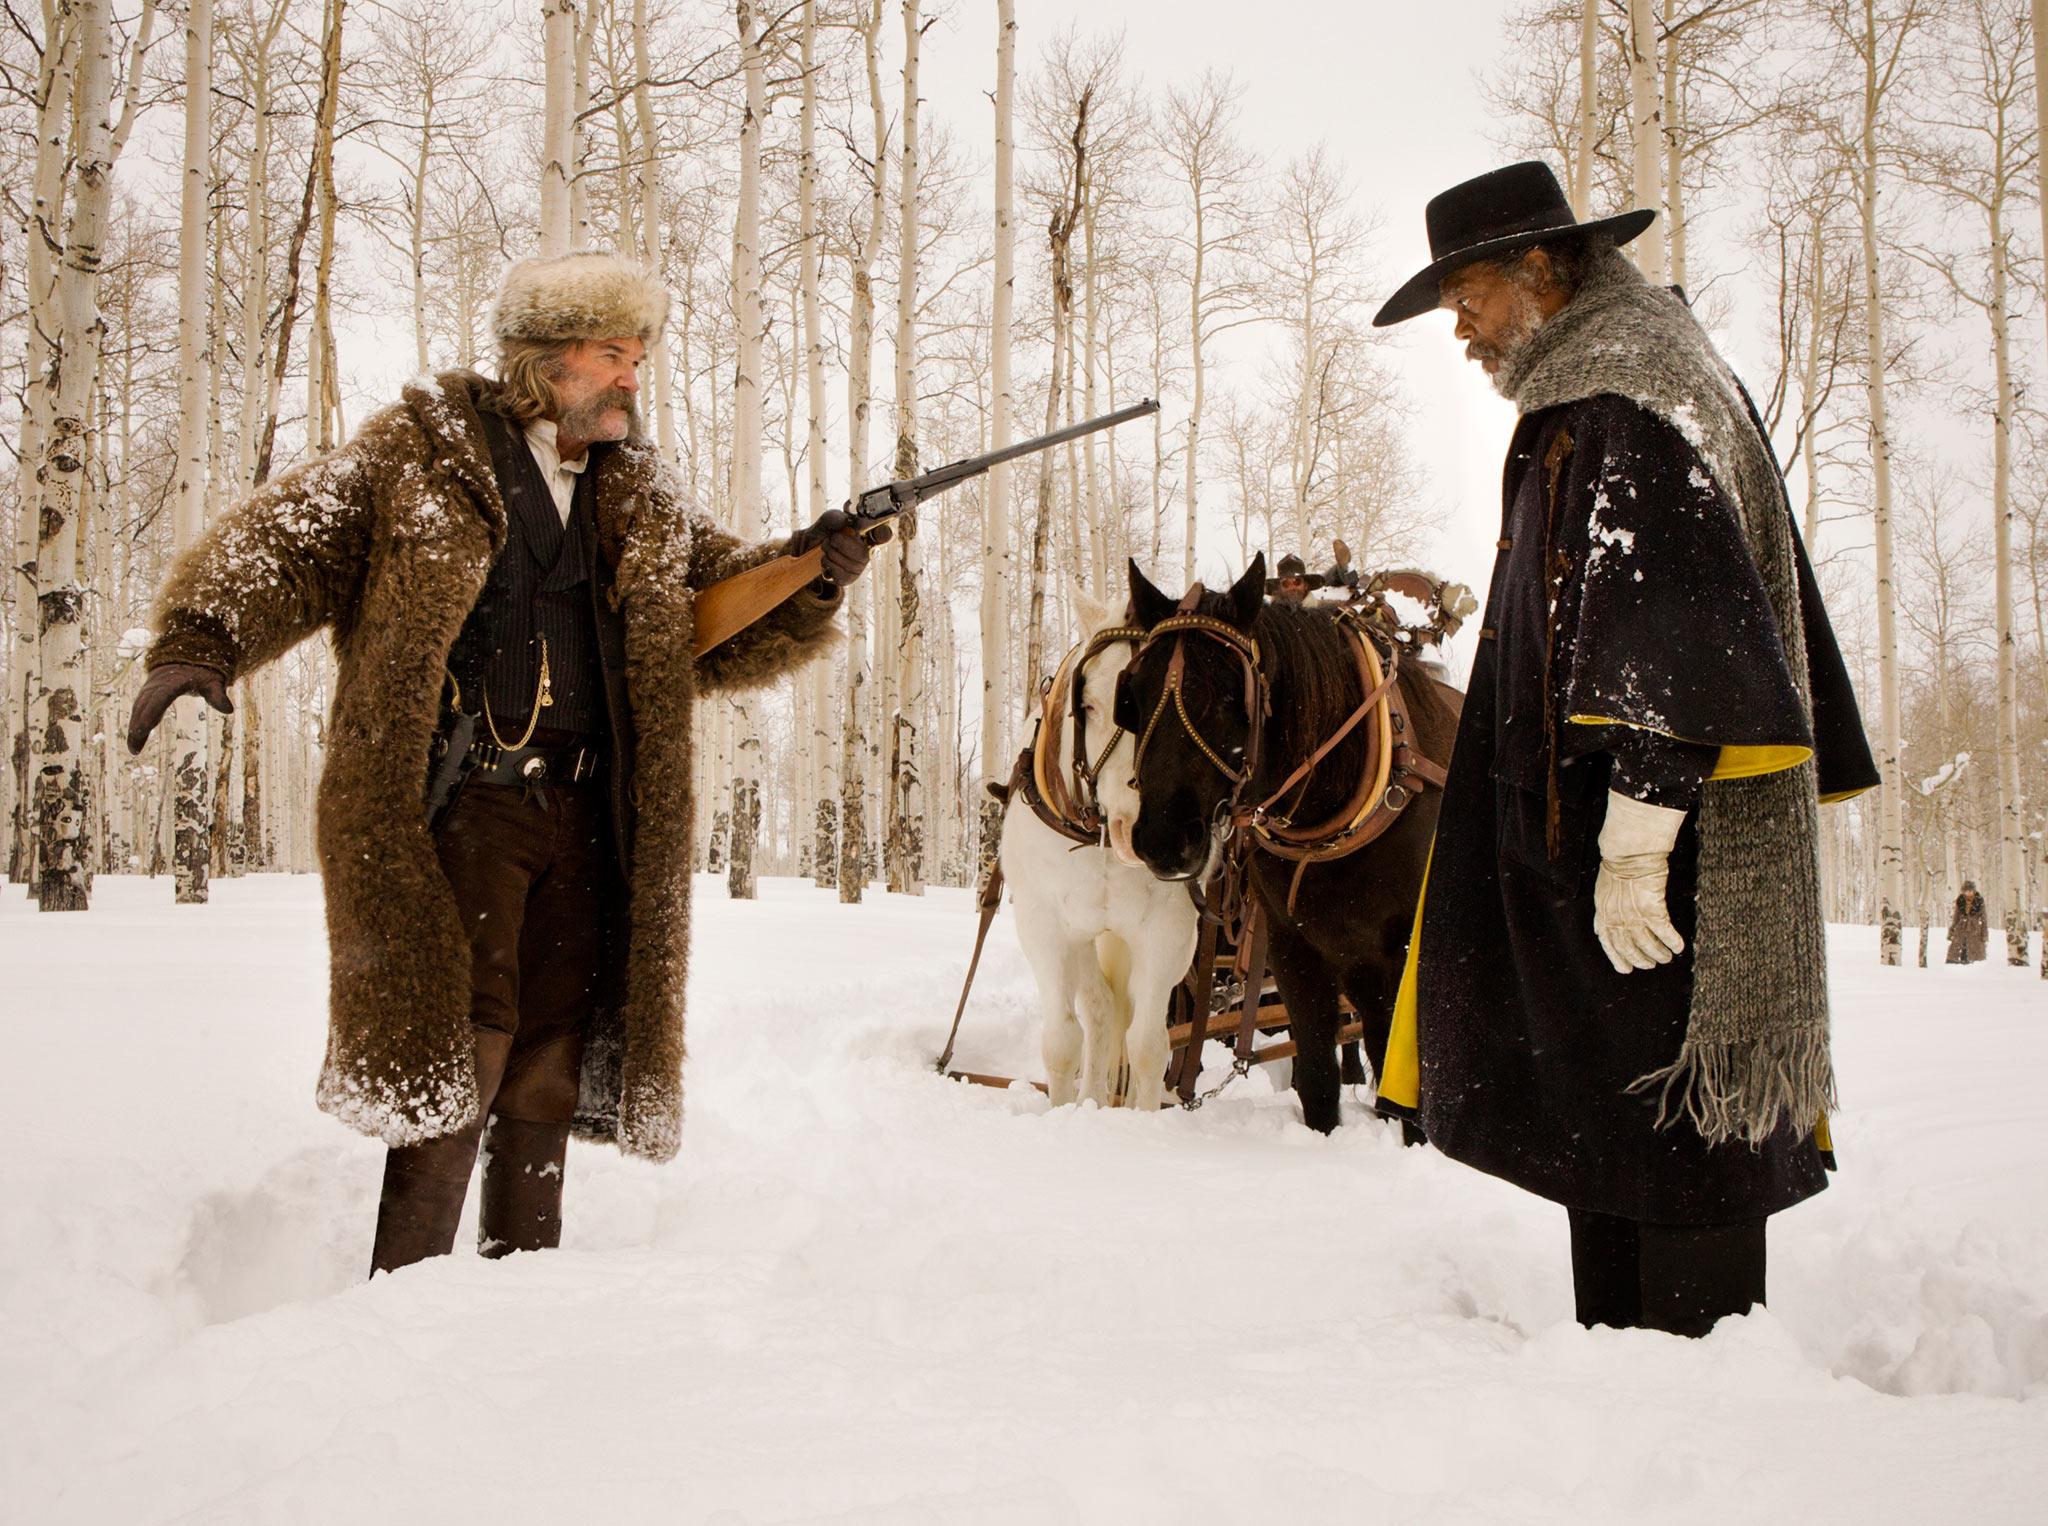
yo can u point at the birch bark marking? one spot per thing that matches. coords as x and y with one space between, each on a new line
558 50
997 572
62 788
650 222
854 743
747 402
1674 149
1646 124
191 851
906 829
825 777
323 412
53 137
579 134
1589 103
1891 803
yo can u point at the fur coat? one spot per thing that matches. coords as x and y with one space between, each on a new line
386 544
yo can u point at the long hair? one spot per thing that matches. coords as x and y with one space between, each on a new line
528 369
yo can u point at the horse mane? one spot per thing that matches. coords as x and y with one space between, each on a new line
1312 666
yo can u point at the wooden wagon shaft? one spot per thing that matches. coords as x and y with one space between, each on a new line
1272 1014
1285 1050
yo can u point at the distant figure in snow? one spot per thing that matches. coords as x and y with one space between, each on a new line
1968 932
1618 996
504 820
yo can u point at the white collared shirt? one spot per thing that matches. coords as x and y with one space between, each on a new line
560 475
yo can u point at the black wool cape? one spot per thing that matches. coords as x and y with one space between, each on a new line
1623 594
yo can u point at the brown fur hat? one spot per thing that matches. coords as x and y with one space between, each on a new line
586 295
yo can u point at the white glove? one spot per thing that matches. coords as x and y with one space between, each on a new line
1629 915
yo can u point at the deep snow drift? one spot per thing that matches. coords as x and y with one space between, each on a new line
863 1294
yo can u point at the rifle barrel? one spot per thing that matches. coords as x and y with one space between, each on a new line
974 466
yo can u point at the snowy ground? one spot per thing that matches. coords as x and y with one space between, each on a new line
866 1295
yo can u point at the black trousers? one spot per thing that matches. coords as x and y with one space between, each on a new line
1678 1278
536 882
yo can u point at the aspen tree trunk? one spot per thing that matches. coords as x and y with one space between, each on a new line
417 225
1197 389
221 826
1158 435
62 35
62 787
997 567
907 825
2011 836
1674 150
1589 103
825 781
579 132
1891 806
2039 18
1646 123
747 402
1810 386
1091 486
323 392
256 248
650 223
189 762
558 50
854 740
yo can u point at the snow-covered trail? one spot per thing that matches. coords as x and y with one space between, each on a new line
865 1295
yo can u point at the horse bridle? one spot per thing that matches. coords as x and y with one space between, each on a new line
1258 700
1383 791
1085 769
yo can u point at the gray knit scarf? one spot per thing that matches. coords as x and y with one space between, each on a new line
1756 1050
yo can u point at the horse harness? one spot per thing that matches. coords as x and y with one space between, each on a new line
1064 799
1393 774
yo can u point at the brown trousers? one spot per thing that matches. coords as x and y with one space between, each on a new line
539 891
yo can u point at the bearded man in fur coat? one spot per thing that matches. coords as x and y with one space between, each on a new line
508 575
1617 995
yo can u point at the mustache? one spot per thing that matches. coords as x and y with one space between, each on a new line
593 409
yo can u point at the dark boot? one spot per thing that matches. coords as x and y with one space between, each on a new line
1606 1270
1695 1275
424 1185
521 1204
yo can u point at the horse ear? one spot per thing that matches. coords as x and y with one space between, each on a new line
1148 605
1248 594
1093 616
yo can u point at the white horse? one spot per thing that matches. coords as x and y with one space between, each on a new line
1107 942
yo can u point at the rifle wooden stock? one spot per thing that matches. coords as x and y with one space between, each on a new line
732 604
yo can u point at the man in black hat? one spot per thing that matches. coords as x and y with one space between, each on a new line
1294 583
1617 996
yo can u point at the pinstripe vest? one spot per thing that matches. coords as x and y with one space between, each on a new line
539 589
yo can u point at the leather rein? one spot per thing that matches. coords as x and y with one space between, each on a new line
1394 772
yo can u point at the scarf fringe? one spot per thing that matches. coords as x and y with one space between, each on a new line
1745 1088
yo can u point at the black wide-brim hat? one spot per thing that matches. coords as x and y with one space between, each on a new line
1495 214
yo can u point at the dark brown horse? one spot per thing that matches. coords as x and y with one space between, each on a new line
1347 933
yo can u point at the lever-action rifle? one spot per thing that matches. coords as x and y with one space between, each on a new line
732 604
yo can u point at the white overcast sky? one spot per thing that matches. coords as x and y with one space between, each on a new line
1392 89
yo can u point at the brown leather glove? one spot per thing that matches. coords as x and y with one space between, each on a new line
171 681
846 550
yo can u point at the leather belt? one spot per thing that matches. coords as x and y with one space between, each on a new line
492 764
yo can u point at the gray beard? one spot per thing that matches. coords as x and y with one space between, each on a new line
1514 345
584 421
